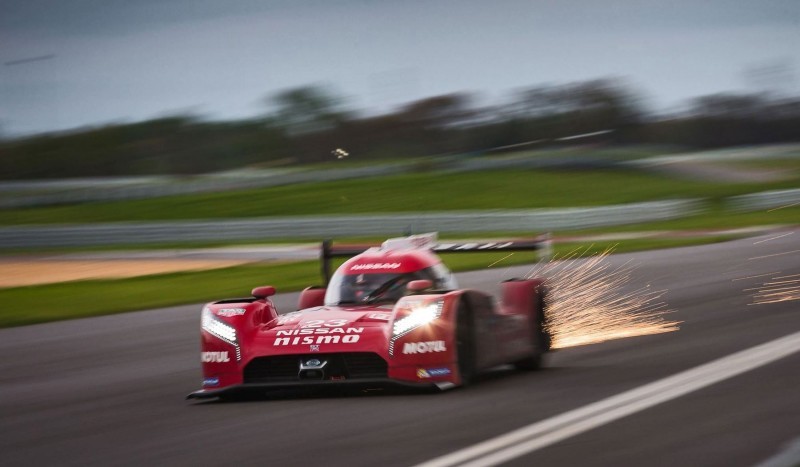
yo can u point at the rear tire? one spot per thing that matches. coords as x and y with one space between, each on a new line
541 339
544 332
534 362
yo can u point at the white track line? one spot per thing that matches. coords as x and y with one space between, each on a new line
538 435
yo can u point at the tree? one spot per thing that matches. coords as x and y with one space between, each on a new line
308 109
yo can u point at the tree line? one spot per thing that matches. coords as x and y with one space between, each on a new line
311 121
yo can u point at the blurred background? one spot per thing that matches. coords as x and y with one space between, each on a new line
115 88
645 114
578 118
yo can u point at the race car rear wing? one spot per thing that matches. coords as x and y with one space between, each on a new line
542 243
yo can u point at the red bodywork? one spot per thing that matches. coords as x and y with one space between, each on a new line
247 344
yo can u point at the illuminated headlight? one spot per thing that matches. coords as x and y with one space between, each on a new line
217 328
419 317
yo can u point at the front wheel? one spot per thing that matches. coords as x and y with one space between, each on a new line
465 345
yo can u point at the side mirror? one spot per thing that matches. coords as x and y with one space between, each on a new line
419 286
311 297
263 291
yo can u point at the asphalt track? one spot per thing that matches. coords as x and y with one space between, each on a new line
109 390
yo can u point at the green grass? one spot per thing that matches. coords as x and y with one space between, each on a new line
355 162
68 300
787 166
503 189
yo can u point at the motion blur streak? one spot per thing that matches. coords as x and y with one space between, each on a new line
589 303
773 238
776 254
782 207
779 289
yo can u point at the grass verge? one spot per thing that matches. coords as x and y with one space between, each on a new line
68 300
419 192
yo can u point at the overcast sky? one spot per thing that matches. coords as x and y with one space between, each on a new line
127 60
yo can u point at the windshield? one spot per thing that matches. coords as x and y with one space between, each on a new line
361 288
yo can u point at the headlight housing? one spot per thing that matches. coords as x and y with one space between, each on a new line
421 314
221 330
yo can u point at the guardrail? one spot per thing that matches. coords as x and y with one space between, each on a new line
23 194
764 200
316 227
50 193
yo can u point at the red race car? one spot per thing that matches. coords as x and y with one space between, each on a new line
390 315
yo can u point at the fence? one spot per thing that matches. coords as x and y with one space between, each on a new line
765 200
24 194
317 227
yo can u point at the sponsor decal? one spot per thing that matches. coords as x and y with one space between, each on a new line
211 382
308 340
288 317
369 266
310 331
424 347
315 348
423 373
379 316
214 357
410 303
330 323
317 336
227 312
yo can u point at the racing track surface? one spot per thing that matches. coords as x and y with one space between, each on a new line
109 390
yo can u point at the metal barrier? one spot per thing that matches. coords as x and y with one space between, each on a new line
103 190
317 227
764 200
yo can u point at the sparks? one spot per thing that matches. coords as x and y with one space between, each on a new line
589 303
778 289
783 207
501 259
754 276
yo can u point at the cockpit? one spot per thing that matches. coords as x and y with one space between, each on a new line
348 287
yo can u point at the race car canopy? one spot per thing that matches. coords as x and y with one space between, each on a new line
417 252
378 261
422 241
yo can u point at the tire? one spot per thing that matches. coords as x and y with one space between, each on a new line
541 340
546 339
465 344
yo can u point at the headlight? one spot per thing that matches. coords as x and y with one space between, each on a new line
217 328
419 316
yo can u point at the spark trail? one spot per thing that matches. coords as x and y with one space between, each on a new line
778 289
589 302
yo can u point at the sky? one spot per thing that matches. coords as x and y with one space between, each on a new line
69 64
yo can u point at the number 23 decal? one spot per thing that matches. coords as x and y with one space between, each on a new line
319 323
